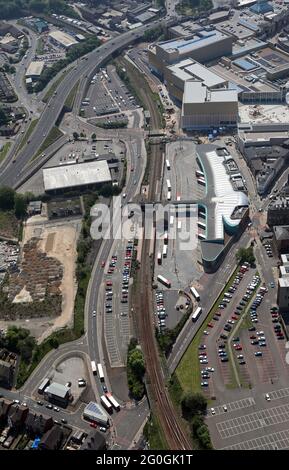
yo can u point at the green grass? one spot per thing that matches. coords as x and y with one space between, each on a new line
52 137
40 47
71 97
154 434
4 151
27 134
55 85
188 370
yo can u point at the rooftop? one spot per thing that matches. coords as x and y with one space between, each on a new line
200 39
197 92
189 69
68 176
35 68
64 38
57 389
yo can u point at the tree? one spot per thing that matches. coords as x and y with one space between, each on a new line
3 117
245 255
6 198
136 362
20 205
75 135
193 404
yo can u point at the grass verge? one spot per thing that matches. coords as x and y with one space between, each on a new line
54 85
4 151
71 97
52 137
154 434
27 134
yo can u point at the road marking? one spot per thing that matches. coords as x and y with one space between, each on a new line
234 406
278 440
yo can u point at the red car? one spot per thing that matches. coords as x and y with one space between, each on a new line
210 325
275 315
218 314
234 317
102 264
253 337
93 425
238 348
279 333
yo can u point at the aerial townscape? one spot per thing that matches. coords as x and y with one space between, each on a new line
144 225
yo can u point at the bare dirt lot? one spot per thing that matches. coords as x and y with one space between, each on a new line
57 240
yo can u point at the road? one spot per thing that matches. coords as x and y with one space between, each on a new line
84 67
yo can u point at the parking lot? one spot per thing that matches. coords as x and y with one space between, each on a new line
117 329
107 95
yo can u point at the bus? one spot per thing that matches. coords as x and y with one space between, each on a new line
165 251
199 173
196 314
159 257
168 165
105 403
201 236
93 366
201 225
171 221
43 386
100 372
201 181
113 401
169 196
166 238
169 185
164 281
195 293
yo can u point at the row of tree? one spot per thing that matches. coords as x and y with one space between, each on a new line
75 52
135 370
194 408
18 8
20 341
12 201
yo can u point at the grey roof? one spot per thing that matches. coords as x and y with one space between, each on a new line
58 390
95 411
80 174
281 232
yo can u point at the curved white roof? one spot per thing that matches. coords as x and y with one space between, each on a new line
226 199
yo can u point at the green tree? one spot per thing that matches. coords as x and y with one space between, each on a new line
245 255
193 404
6 198
20 206
3 117
136 362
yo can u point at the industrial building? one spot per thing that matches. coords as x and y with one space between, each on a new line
204 46
175 77
35 69
62 39
57 393
205 109
95 412
79 175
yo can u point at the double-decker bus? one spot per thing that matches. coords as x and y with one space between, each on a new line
195 293
100 372
164 281
93 366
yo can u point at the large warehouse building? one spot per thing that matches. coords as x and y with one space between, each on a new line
175 77
80 175
204 108
62 39
204 46
35 69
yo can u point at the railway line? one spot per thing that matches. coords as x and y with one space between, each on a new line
175 436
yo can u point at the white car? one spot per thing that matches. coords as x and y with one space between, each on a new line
213 411
267 397
206 332
225 408
94 313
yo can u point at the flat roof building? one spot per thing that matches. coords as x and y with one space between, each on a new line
57 393
35 69
62 39
175 77
64 177
205 109
204 46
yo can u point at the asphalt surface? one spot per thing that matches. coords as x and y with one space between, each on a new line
84 67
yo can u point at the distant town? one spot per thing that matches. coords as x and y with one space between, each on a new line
144 225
